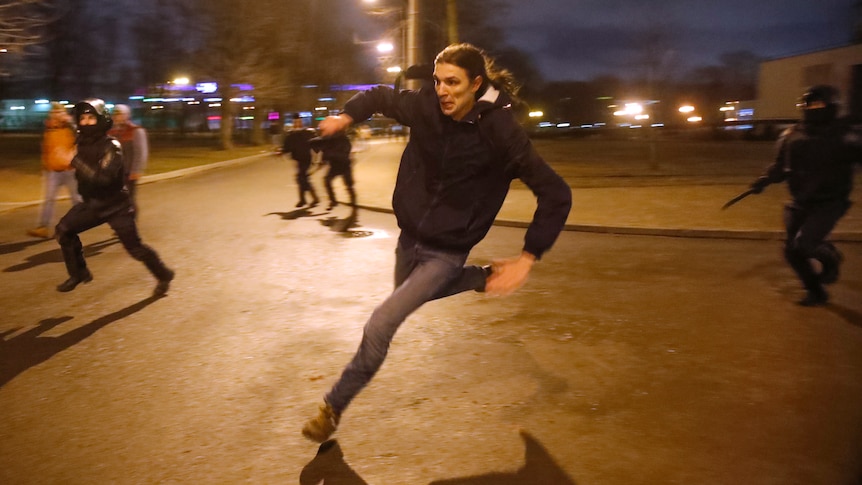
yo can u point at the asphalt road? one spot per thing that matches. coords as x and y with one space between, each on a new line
624 360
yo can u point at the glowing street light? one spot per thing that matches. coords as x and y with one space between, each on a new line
385 47
687 108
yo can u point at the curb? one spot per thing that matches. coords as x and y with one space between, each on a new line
8 206
754 235
589 228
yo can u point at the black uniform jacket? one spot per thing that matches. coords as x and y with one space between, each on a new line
817 162
101 176
296 143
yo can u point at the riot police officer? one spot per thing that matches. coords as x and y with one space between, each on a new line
98 164
815 157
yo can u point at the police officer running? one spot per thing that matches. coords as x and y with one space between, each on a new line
816 157
99 170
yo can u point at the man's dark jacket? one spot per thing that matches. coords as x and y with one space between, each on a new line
454 175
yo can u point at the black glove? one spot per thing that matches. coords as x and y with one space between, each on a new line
758 185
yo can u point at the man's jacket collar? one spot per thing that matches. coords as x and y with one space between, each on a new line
492 98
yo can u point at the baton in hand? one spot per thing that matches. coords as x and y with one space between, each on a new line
738 198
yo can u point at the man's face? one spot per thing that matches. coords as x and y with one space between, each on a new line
58 115
87 119
119 117
455 91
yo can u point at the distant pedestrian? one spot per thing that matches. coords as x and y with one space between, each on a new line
99 169
276 132
136 148
335 152
465 149
297 145
816 157
58 140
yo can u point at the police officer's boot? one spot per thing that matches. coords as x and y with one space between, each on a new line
314 199
799 261
82 276
76 266
301 197
151 260
830 259
352 194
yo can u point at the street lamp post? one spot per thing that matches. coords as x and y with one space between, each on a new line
411 43
452 20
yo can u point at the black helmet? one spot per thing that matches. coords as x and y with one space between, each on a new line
97 107
821 93
826 94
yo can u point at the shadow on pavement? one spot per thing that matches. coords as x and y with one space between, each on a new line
29 349
539 467
847 314
20 246
293 215
56 256
329 467
345 226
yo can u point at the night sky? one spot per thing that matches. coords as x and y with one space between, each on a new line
580 39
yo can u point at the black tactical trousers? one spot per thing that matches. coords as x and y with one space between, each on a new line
808 227
121 218
340 168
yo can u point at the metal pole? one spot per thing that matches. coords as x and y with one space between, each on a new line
413 51
413 47
452 20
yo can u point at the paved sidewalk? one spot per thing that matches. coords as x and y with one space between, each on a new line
685 208
688 208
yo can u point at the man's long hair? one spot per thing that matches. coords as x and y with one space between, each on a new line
477 63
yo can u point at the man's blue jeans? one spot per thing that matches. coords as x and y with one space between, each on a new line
52 181
422 274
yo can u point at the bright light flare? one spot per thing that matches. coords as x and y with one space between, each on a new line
687 108
630 109
537 114
385 47
694 119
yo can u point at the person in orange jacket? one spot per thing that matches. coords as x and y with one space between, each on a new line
58 140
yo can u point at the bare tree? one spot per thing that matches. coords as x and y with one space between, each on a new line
77 55
163 37
23 22
275 46
236 48
741 68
